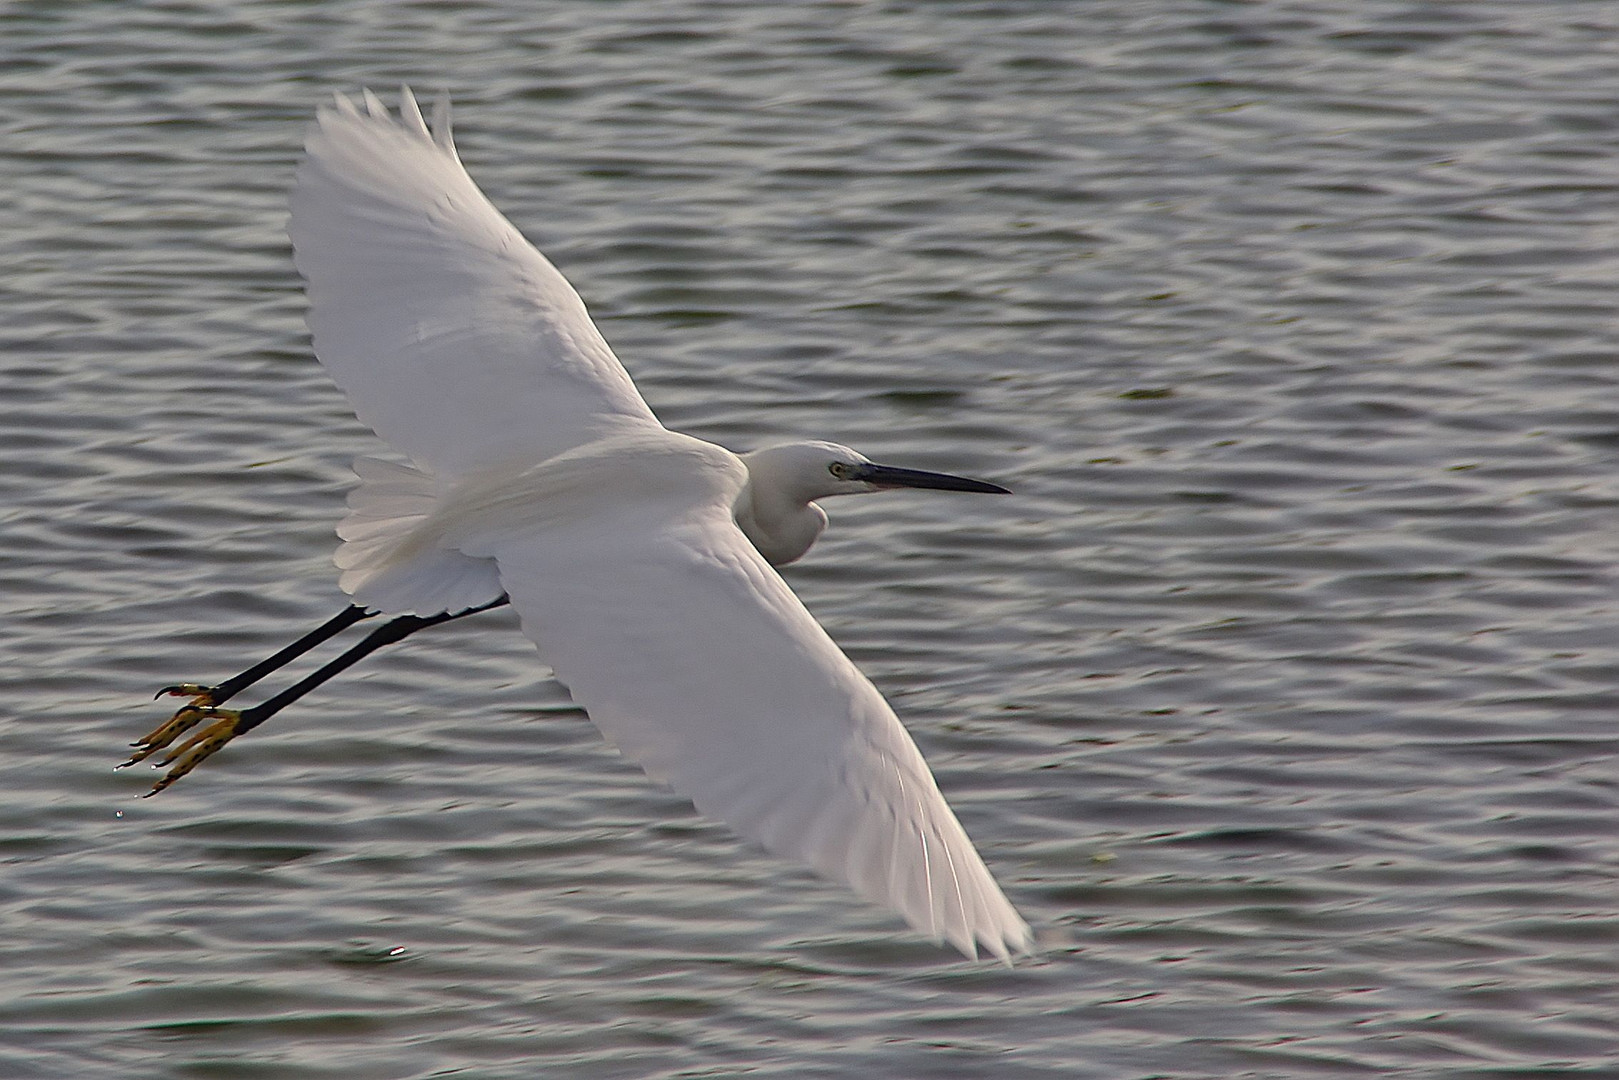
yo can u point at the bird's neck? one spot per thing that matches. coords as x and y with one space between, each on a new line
781 528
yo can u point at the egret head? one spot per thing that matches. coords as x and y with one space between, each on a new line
777 509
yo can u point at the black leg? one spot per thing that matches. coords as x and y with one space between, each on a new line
218 695
394 630
203 698
229 723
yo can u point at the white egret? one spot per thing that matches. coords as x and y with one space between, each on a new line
639 560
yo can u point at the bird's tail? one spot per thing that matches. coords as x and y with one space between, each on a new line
386 560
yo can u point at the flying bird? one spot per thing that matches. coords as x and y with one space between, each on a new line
639 560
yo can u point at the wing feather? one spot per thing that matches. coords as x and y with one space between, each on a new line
454 339
697 661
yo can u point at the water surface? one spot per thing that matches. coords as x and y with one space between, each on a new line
1281 697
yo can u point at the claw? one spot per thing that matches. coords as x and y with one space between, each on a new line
199 694
197 749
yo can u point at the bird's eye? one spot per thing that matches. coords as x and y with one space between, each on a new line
839 470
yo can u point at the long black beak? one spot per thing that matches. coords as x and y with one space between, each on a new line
892 476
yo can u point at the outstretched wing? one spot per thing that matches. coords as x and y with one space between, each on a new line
697 661
454 339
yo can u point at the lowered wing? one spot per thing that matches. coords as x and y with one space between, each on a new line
697 661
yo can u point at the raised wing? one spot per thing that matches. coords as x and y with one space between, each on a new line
696 660
454 339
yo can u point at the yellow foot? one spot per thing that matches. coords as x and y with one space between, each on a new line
188 717
195 750
185 718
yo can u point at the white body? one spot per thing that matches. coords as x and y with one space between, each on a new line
540 472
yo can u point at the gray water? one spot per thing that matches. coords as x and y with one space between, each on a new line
1281 697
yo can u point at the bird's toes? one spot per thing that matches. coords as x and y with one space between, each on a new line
184 719
197 749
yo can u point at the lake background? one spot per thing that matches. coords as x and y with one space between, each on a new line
1281 697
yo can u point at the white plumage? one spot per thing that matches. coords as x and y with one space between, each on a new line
454 339
540 472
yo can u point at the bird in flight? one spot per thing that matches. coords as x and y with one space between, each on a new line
639 560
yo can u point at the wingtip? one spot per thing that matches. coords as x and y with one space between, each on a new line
441 122
369 108
411 113
1006 945
1017 946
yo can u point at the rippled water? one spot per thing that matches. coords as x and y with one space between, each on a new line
1281 697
